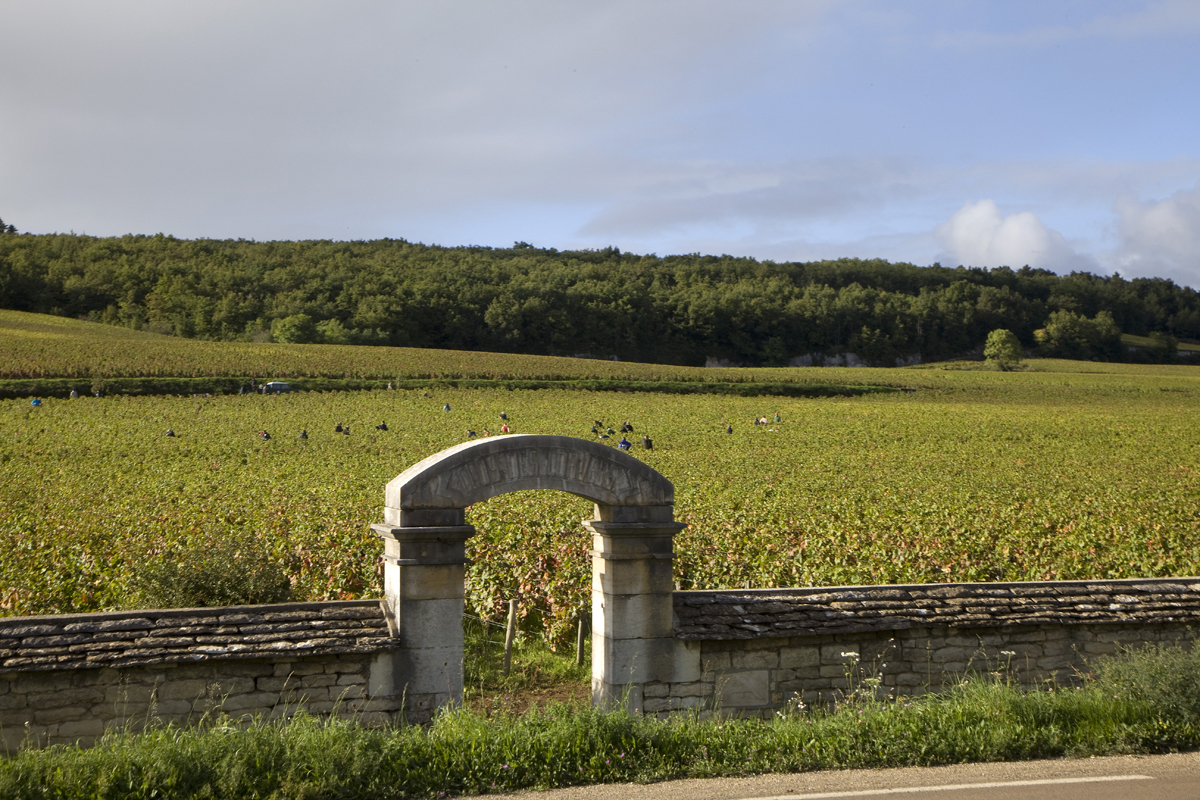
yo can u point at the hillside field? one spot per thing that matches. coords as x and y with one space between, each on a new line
1067 470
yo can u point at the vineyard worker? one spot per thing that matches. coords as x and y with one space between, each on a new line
729 429
74 394
35 402
303 434
486 432
337 428
381 426
647 443
778 418
504 428
446 407
470 433
264 435
170 433
503 415
346 430
623 444
626 427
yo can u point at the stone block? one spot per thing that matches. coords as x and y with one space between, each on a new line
625 661
51 716
433 582
755 659
656 690
251 702
273 684
185 689
430 623
297 668
650 576
80 729
947 655
831 671
344 666
10 702
351 680
314 681
167 709
839 653
427 670
748 689
713 661
694 689
645 616
1055 662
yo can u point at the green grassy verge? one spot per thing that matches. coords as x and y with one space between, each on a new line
1140 703
61 387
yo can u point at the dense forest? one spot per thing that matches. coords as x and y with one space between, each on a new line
675 309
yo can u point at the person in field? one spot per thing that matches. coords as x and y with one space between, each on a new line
503 415
381 426
505 429
728 428
264 435
470 433
303 434
623 444
337 428
446 407
647 443
170 433
486 432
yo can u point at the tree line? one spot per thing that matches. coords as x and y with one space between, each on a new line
678 309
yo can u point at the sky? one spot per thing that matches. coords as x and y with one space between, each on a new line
1062 135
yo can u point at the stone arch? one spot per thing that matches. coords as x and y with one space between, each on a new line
424 535
439 488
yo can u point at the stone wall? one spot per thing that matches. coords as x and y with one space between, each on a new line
67 678
760 650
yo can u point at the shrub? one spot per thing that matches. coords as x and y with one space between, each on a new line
214 572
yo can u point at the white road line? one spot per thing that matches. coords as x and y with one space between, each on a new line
952 787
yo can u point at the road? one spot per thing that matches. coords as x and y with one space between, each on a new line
1168 777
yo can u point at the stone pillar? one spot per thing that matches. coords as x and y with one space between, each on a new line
633 641
424 588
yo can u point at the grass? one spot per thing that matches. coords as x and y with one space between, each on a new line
538 675
1133 704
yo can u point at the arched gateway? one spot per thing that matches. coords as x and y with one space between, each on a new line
424 536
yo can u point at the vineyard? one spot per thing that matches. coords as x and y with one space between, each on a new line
1070 470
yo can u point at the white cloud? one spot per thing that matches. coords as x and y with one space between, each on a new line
979 235
1161 237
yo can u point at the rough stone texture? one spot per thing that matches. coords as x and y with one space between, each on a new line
483 468
763 650
70 677
143 638
723 615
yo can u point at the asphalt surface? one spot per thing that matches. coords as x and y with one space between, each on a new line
1167 777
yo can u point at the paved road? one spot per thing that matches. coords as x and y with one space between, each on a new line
1170 777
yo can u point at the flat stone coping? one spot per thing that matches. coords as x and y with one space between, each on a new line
751 614
143 638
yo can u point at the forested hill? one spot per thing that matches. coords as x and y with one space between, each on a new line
674 309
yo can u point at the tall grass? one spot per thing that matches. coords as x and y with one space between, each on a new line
1138 703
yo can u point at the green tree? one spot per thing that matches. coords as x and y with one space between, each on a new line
296 329
1003 349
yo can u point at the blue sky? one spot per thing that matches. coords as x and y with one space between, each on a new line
1063 135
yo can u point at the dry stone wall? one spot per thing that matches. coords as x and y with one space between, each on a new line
760 650
67 678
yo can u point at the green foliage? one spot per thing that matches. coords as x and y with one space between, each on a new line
296 329
1003 349
1071 335
464 753
674 310
208 572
